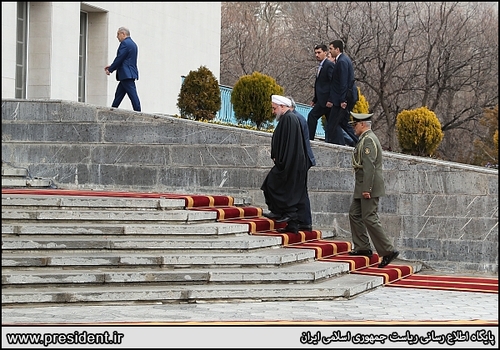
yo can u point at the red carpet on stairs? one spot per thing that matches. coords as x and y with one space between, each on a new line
356 263
326 250
191 200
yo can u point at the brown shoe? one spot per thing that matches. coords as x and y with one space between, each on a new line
388 258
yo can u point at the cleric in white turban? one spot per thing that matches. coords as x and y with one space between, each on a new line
281 100
285 186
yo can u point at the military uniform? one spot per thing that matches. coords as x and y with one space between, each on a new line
363 216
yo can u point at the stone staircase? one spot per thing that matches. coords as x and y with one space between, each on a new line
92 249
19 177
433 211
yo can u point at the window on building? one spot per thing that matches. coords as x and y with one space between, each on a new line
21 49
82 57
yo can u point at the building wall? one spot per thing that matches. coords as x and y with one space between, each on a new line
8 48
174 38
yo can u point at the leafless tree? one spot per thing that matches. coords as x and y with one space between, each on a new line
443 55
250 39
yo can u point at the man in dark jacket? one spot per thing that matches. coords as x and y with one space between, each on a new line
285 185
125 64
323 91
345 95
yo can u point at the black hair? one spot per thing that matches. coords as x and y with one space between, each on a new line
338 44
321 47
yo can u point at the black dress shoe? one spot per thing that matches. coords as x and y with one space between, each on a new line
305 227
284 218
363 252
271 215
388 258
287 230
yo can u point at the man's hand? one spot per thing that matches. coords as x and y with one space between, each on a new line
366 195
343 105
106 70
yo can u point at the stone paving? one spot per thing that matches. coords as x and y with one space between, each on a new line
382 304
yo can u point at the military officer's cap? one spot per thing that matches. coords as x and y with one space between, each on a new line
360 117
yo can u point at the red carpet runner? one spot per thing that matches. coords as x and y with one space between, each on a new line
326 250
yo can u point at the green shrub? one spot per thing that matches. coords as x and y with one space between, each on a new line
251 99
418 131
199 98
362 105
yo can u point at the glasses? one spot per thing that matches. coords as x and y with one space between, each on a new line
353 124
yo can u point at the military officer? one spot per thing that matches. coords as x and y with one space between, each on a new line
368 188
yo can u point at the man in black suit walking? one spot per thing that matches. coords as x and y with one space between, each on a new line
322 100
345 95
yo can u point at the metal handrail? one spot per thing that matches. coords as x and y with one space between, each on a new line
226 112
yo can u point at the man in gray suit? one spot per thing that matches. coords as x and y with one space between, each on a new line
368 188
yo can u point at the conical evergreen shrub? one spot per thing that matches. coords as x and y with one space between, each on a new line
251 99
362 105
418 131
199 98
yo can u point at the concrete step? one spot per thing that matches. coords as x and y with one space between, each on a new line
19 177
239 242
23 182
58 229
296 273
91 202
34 200
13 172
74 215
73 258
341 287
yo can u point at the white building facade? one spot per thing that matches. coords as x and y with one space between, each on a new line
58 50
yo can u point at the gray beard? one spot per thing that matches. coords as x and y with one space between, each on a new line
278 117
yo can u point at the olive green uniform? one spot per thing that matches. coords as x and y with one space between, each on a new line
363 216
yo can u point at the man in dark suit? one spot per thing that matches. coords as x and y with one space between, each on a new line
345 95
368 188
322 100
125 64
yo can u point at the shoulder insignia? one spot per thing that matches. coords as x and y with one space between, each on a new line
367 150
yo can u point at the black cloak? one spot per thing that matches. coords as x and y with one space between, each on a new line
285 184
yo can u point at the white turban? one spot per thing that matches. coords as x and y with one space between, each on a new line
281 100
